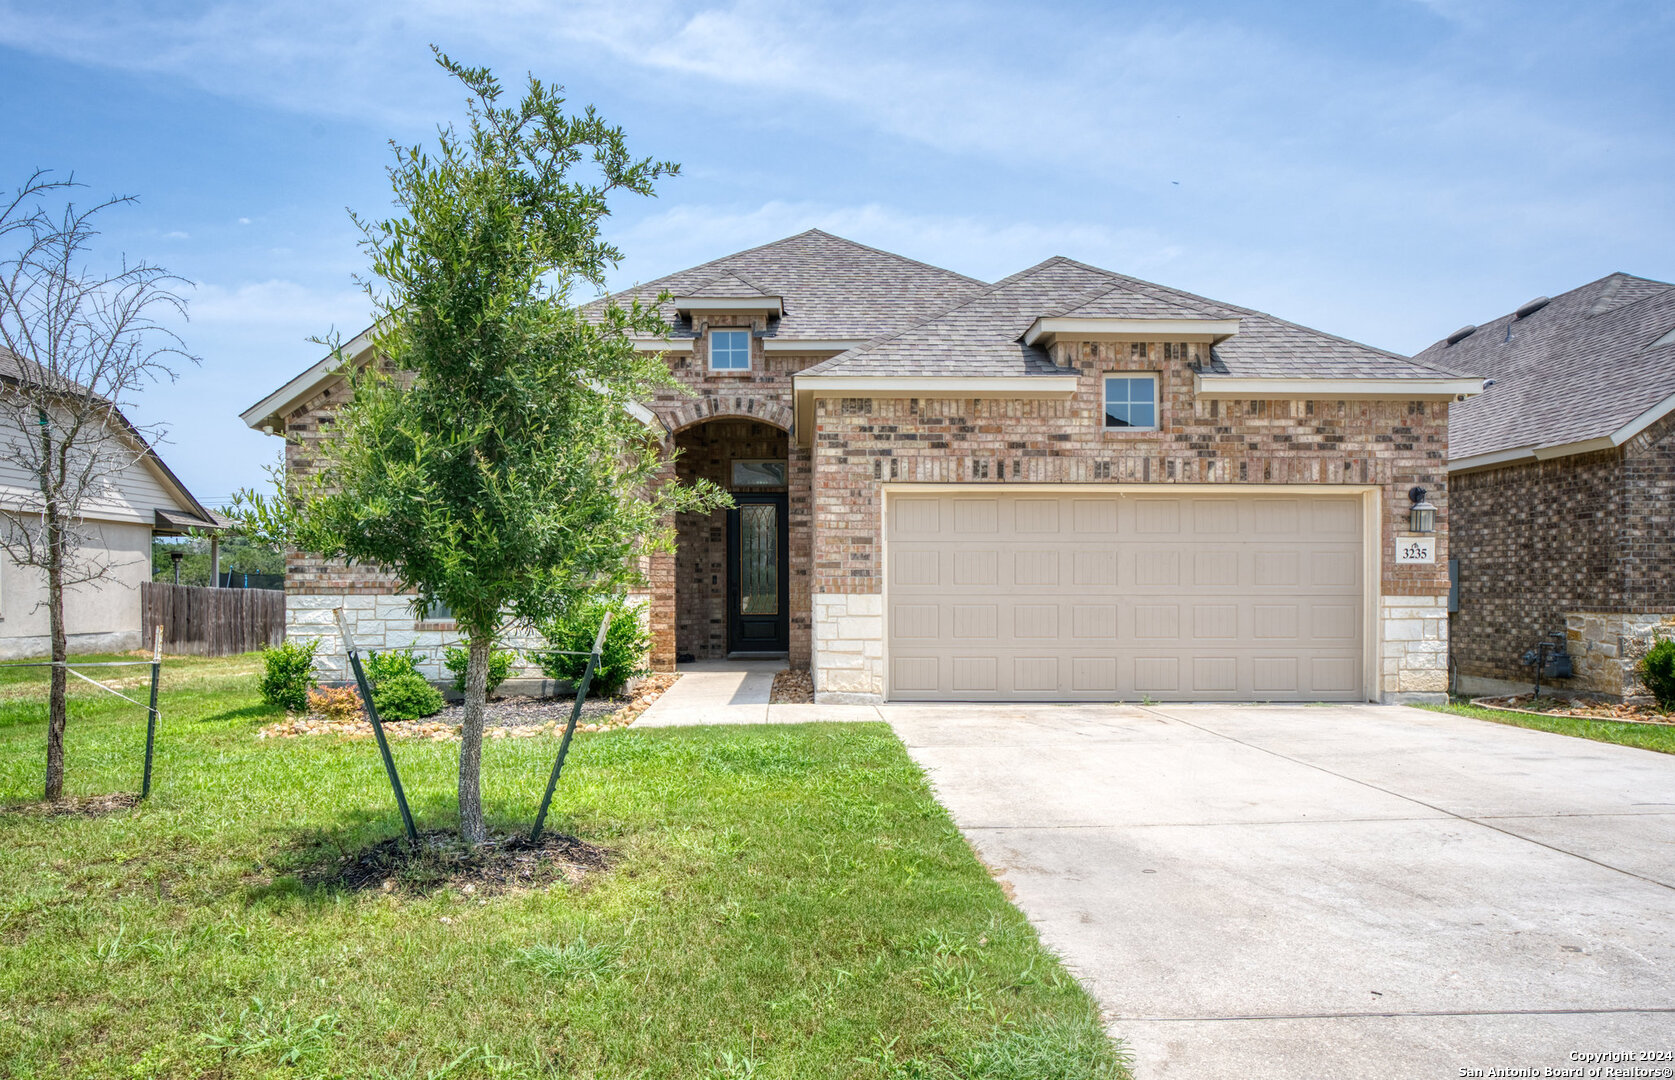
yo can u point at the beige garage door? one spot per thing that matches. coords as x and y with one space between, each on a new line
1041 596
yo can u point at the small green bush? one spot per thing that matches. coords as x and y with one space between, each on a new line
1657 670
623 656
399 692
288 674
500 666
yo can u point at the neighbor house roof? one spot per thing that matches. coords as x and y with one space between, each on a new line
833 289
1587 370
189 513
983 335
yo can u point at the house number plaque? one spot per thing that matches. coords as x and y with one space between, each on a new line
1416 549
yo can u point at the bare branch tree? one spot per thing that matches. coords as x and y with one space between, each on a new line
76 344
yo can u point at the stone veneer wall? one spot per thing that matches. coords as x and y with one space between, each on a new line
1602 654
1413 650
1575 544
862 444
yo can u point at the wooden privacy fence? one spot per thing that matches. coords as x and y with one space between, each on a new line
211 622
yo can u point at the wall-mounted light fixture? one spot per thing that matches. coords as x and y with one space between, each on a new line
1421 516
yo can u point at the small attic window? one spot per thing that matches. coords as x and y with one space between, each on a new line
729 350
1131 403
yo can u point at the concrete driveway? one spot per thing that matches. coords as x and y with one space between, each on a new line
1328 891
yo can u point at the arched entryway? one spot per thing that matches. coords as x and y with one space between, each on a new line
739 589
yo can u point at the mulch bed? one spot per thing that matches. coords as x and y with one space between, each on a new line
792 688
441 860
1578 709
77 806
503 718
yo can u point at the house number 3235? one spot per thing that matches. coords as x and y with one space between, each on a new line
1420 549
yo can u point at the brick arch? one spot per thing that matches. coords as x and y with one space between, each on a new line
699 410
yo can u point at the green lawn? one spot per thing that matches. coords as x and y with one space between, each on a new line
785 902
1659 737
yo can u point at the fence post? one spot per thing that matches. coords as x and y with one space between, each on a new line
151 714
570 729
377 726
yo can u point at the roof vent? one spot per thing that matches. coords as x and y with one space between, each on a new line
1462 333
1532 307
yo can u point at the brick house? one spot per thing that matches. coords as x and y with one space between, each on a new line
1066 485
1562 482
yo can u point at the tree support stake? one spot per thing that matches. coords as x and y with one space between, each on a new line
570 728
377 725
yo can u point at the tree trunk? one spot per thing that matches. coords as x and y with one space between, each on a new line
57 707
471 740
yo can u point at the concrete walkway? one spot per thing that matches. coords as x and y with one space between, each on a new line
1327 891
737 692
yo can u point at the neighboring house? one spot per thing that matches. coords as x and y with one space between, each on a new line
1068 485
1562 481
143 500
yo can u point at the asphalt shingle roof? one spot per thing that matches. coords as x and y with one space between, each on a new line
981 335
1577 369
833 289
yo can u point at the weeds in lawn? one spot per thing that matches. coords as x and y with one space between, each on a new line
1071 1049
263 1032
579 959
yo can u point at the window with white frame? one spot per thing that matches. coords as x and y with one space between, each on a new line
1131 402
729 350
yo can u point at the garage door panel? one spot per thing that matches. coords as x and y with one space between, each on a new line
1096 597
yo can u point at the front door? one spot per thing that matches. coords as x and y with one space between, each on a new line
758 619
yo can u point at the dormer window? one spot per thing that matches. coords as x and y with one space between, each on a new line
1131 402
729 350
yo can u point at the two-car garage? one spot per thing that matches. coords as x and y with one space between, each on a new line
1106 594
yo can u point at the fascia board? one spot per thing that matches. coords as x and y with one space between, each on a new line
663 345
1212 330
282 399
1233 386
729 303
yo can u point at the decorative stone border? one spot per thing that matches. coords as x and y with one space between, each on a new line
1490 703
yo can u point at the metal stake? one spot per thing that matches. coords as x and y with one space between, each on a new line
377 726
151 714
570 729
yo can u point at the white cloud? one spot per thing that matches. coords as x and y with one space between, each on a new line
177 234
271 308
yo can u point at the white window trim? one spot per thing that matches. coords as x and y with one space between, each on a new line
714 330
1105 400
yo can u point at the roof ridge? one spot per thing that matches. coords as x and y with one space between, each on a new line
881 251
987 290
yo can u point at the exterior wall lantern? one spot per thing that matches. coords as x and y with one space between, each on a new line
1421 516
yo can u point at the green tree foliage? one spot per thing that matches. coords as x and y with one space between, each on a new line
622 657
492 462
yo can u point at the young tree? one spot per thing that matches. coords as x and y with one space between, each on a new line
76 343
490 460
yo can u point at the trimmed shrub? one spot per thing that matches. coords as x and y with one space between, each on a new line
500 666
399 692
1657 670
338 703
623 656
288 674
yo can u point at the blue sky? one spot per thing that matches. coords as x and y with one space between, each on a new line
1382 169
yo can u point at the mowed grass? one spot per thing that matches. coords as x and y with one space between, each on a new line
784 902
1659 737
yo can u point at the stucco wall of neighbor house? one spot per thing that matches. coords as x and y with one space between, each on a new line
862 444
101 616
1582 545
